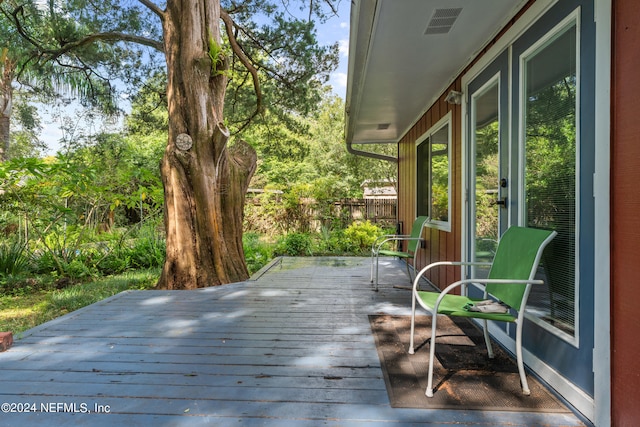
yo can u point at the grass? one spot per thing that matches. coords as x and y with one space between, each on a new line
21 312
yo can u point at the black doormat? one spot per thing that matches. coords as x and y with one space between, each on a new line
464 377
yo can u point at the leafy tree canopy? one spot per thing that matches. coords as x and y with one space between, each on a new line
102 48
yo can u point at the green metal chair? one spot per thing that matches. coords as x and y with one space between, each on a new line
412 240
512 274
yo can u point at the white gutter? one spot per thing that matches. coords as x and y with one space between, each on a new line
363 17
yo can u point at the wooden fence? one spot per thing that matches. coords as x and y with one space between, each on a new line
310 217
375 210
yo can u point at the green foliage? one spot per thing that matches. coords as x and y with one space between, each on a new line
551 156
217 56
56 61
111 181
331 241
295 244
149 115
81 295
292 66
148 251
25 129
487 175
295 150
36 301
359 236
257 252
14 259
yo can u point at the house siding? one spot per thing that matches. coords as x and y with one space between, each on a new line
624 207
439 245
625 199
447 245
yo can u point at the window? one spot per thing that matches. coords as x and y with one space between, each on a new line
434 174
550 86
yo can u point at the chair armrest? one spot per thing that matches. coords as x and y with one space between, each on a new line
459 283
388 236
446 263
376 246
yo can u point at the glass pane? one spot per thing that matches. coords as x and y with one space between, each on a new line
422 170
440 175
550 176
486 140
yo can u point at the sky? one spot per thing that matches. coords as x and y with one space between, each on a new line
337 30
334 30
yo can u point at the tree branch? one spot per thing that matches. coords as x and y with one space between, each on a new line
112 36
21 31
151 6
237 49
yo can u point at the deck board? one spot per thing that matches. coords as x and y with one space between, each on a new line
292 348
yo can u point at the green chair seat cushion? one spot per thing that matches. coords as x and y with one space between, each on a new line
395 254
453 305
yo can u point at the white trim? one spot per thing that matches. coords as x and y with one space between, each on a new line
445 120
510 152
464 187
598 408
359 11
470 153
602 185
527 19
570 20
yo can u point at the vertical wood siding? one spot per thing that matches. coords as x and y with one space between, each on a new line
625 199
440 245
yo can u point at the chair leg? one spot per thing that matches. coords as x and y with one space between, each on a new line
523 377
377 272
373 254
487 339
432 355
413 322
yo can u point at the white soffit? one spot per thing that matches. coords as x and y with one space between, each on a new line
404 53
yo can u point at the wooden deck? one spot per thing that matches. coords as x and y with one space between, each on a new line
290 348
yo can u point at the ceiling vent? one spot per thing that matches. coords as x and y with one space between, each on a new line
442 20
383 126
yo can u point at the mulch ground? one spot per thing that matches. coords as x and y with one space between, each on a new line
464 377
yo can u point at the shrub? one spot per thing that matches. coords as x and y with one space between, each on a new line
14 258
295 244
114 262
332 242
359 236
45 262
148 251
256 252
79 268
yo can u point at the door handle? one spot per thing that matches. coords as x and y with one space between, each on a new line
501 202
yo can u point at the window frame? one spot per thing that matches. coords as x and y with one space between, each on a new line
426 137
572 19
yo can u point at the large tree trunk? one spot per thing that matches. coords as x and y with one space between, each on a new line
204 179
7 69
5 122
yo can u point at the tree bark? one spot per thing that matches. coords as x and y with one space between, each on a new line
204 179
5 122
7 68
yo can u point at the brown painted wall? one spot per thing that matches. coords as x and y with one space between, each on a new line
440 245
625 212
